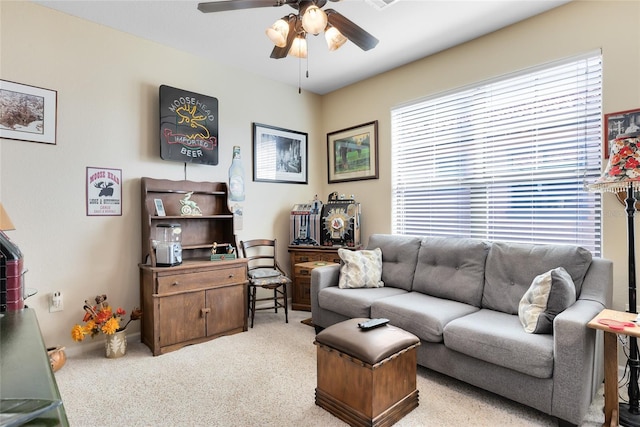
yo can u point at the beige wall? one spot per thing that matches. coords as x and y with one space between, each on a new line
107 86
578 27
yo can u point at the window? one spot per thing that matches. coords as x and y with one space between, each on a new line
504 160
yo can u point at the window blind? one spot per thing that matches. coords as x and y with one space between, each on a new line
504 160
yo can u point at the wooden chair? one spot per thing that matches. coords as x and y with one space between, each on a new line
265 272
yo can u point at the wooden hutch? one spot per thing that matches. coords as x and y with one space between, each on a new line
200 299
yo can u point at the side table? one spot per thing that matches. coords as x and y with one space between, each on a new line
301 295
611 415
302 276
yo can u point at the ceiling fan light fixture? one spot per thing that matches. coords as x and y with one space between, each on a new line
278 32
334 38
299 47
314 20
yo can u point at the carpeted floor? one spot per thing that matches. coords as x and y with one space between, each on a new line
263 377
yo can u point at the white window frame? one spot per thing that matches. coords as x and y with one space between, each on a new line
506 159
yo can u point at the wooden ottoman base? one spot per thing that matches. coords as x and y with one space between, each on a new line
364 394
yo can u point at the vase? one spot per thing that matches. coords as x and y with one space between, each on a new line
57 357
116 345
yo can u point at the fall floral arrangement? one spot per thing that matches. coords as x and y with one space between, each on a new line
101 318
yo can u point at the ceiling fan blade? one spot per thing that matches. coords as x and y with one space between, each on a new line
281 52
350 30
223 6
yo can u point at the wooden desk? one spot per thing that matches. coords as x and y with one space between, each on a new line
611 415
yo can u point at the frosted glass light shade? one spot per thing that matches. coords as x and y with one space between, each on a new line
278 32
334 38
5 221
299 47
314 20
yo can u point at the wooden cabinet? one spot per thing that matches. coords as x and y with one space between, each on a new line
192 303
301 287
199 299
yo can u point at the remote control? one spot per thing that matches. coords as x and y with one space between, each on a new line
373 323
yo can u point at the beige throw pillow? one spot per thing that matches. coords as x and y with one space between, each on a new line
549 294
360 269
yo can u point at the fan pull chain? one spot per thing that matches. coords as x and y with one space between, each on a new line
299 75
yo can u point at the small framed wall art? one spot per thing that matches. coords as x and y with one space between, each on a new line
279 155
28 113
104 192
622 123
352 153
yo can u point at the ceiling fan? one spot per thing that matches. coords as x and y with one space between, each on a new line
289 33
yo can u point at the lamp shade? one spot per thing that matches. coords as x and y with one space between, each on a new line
623 169
299 47
5 221
334 38
278 32
314 20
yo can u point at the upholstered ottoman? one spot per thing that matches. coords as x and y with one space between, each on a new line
366 377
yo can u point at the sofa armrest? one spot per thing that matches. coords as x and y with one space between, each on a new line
322 277
578 360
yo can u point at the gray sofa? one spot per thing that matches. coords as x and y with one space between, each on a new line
461 298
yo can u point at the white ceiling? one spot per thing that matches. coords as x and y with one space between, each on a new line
407 30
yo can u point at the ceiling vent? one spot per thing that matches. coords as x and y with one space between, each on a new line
381 4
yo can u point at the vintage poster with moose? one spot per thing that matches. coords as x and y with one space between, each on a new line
188 126
104 191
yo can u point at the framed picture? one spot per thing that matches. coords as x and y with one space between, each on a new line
279 155
352 153
622 123
104 192
159 207
28 113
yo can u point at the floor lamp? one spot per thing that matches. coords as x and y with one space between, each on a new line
623 174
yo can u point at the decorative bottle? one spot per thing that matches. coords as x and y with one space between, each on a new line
236 177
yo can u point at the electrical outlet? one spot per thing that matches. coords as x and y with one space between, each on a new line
55 302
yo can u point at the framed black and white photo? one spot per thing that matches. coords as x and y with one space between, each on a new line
352 153
622 123
28 113
104 191
159 207
279 155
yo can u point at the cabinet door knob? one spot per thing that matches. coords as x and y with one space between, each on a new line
204 311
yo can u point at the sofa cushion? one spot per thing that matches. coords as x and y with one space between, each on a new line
399 256
499 338
511 267
360 269
353 302
422 315
549 294
451 268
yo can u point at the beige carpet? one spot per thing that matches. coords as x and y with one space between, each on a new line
263 377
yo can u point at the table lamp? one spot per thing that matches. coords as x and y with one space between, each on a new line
623 174
5 221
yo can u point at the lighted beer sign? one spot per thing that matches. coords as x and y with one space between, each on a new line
188 126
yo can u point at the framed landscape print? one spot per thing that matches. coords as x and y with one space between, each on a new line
352 153
279 155
28 113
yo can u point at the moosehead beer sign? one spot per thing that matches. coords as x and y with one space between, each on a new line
188 126
104 191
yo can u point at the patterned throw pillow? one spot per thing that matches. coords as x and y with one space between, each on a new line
360 269
549 294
